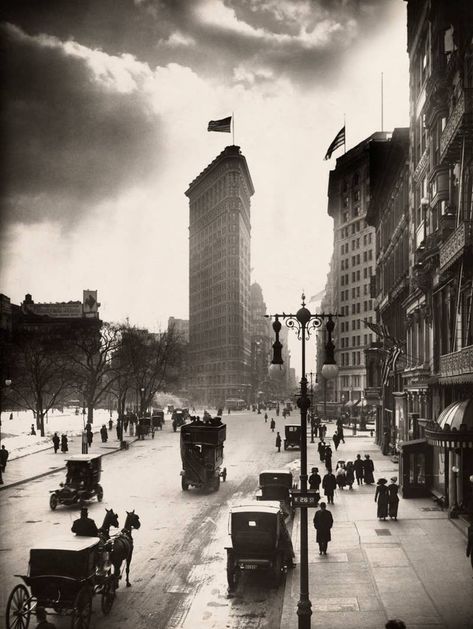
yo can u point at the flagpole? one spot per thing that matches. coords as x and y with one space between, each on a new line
233 128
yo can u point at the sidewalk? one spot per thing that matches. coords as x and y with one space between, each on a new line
414 569
44 462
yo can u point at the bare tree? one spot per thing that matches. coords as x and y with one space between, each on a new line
91 348
146 357
40 371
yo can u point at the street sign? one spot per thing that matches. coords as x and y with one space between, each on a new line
304 500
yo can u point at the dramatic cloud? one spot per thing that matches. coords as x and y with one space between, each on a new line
75 126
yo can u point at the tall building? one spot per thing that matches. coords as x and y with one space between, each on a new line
353 261
388 214
261 341
438 379
219 280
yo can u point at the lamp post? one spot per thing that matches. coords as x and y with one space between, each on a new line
5 383
142 401
312 419
304 322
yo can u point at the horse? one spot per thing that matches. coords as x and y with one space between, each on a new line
111 519
121 546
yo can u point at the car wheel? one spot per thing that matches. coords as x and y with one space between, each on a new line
224 474
53 502
99 493
233 573
184 484
277 570
217 483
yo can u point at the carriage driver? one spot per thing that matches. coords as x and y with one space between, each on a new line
84 525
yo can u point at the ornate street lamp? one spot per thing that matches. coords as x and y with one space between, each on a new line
304 322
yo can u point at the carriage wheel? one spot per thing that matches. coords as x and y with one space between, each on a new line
18 608
53 501
82 609
99 493
233 573
184 484
108 595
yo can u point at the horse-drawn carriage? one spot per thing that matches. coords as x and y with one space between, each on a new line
148 425
63 577
292 436
277 485
82 481
259 541
202 454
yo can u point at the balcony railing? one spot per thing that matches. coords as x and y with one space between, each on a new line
459 121
456 245
457 364
420 235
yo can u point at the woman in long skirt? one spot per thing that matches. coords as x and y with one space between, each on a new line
393 498
381 497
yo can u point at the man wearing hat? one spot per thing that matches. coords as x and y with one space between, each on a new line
85 526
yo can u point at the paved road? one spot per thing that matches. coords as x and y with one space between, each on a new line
178 569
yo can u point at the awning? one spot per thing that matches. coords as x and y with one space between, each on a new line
349 403
456 414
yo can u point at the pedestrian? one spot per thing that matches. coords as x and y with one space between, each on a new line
56 442
104 433
469 544
110 423
323 522
272 425
328 484
340 476
321 450
321 432
64 443
368 469
325 431
350 474
3 457
359 469
11 416
336 440
328 458
43 622
381 497
90 434
341 435
266 418
33 431
393 498
278 442
314 479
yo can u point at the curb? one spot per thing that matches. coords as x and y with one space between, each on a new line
57 469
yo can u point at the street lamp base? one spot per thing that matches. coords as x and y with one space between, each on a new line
304 612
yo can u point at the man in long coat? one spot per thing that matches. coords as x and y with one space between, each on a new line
328 484
359 469
323 522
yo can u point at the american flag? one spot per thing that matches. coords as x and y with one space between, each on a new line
337 142
390 363
224 125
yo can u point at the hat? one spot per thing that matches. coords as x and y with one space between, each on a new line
394 479
382 481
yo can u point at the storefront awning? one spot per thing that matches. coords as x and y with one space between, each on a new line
456 415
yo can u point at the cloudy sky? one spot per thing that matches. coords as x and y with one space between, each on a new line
104 118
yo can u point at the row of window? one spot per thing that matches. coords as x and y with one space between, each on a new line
356 359
355 324
354 228
355 340
347 383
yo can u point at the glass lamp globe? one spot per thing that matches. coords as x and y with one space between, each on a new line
276 371
329 371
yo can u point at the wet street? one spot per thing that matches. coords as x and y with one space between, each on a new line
178 571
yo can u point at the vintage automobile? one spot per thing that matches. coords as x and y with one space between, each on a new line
63 576
82 481
277 485
158 419
292 436
259 541
179 417
202 454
